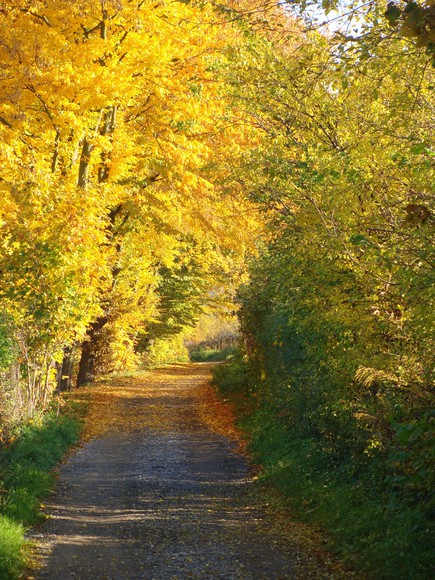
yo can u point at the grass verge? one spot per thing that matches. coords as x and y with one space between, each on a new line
26 478
375 528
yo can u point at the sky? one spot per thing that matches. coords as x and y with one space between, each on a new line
332 21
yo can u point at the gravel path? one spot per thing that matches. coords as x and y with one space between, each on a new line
159 495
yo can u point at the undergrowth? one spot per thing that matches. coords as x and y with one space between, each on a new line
26 478
380 529
207 354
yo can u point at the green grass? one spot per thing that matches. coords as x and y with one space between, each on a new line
381 531
387 536
211 354
25 479
12 546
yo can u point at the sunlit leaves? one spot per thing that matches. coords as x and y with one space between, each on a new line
109 116
345 279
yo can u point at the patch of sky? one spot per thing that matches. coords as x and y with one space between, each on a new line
329 16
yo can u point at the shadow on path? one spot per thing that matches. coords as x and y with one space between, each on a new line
158 495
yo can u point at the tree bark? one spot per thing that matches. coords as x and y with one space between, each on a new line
84 164
86 372
65 371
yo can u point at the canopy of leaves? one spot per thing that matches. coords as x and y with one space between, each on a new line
109 118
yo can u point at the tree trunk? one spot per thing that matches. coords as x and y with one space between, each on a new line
89 348
65 371
86 364
85 158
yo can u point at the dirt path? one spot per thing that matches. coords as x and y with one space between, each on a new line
157 493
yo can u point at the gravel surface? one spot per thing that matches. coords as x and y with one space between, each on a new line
159 495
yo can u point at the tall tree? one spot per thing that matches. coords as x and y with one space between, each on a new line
108 113
338 317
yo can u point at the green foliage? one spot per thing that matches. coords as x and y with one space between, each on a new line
386 533
25 479
338 313
231 376
414 20
204 354
409 19
12 546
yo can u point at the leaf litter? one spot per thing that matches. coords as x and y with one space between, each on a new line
161 488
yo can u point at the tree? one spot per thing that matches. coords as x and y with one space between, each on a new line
338 313
109 113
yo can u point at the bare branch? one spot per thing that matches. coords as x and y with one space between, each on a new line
38 16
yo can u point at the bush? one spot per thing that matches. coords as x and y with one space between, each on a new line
232 377
368 517
207 354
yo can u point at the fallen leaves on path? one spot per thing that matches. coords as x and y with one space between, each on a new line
120 404
110 401
218 415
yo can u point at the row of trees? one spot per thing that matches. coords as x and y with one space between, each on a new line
112 220
338 315
137 136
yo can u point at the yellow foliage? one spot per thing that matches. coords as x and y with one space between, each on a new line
110 116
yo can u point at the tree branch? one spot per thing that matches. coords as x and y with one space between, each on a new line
4 122
38 16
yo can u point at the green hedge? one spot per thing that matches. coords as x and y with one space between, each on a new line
375 515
